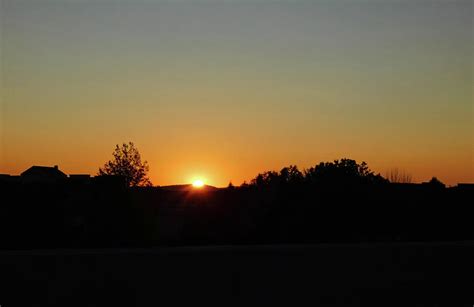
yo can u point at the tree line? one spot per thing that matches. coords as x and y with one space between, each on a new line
128 164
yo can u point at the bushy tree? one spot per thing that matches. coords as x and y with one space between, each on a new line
287 175
291 174
265 179
128 164
344 171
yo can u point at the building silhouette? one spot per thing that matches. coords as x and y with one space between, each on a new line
43 174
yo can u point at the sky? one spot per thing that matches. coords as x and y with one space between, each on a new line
223 90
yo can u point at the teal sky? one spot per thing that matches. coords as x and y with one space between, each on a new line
226 89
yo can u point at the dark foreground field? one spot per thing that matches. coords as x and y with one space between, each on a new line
395 274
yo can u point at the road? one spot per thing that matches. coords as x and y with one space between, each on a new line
391 274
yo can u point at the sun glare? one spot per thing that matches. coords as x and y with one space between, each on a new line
198 183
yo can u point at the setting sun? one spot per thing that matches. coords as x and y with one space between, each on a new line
198 183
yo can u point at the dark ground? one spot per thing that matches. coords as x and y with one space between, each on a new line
392 274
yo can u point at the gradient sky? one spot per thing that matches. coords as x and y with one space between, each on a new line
226 89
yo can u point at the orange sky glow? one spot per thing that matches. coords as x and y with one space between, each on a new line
223 91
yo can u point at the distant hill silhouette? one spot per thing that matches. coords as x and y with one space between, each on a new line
187 187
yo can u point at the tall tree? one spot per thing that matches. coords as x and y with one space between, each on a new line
128 164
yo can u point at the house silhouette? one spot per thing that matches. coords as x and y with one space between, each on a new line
43 174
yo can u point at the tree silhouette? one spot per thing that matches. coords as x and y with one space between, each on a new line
265 179
291 174
397 176
128 164
339 172
344 171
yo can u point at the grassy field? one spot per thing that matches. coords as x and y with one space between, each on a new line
395 274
